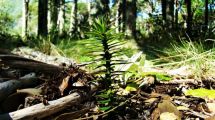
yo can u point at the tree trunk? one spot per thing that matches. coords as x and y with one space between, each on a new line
206 14
189 17
101 8
98 8
25 18
170 14
89 5
61 18
131 18
105 7
163 5
89 12
74 20
123 15
176 14
54 8
39 111
118 16
10 86
42 18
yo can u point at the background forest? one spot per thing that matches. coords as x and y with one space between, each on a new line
144 21
137 19
143 59
155 27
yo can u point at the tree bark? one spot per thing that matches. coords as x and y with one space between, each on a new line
176 14
101 8
206 14
54 8
120 16
170 14
61 18
131 18
25 15
40 111
123 15
42 18
10 86
163 5
74 20
105 7
14 61
89 5
189 17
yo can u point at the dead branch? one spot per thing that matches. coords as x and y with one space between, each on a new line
10 86
19 62
40 110
185 81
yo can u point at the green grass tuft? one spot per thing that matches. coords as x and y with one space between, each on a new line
196 55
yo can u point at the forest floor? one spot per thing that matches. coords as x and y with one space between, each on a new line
56 87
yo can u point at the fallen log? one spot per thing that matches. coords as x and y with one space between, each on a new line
34 66
40 110
10 86
39 56
15 61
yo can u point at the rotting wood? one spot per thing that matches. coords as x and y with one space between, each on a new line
185 81
39 56
19 62
34 66
10 86
40 111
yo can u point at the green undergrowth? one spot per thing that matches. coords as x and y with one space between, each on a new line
201 92
159 76
137 70
78 50
9 41
199 56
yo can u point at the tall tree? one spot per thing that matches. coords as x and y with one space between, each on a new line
105 7
121 16
42 18
25 16
176 13
61 18
206 13
118 19
54 8
131 16
163 5
98 8
74 19
189 16
124 3
101 8
170 14
89 5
